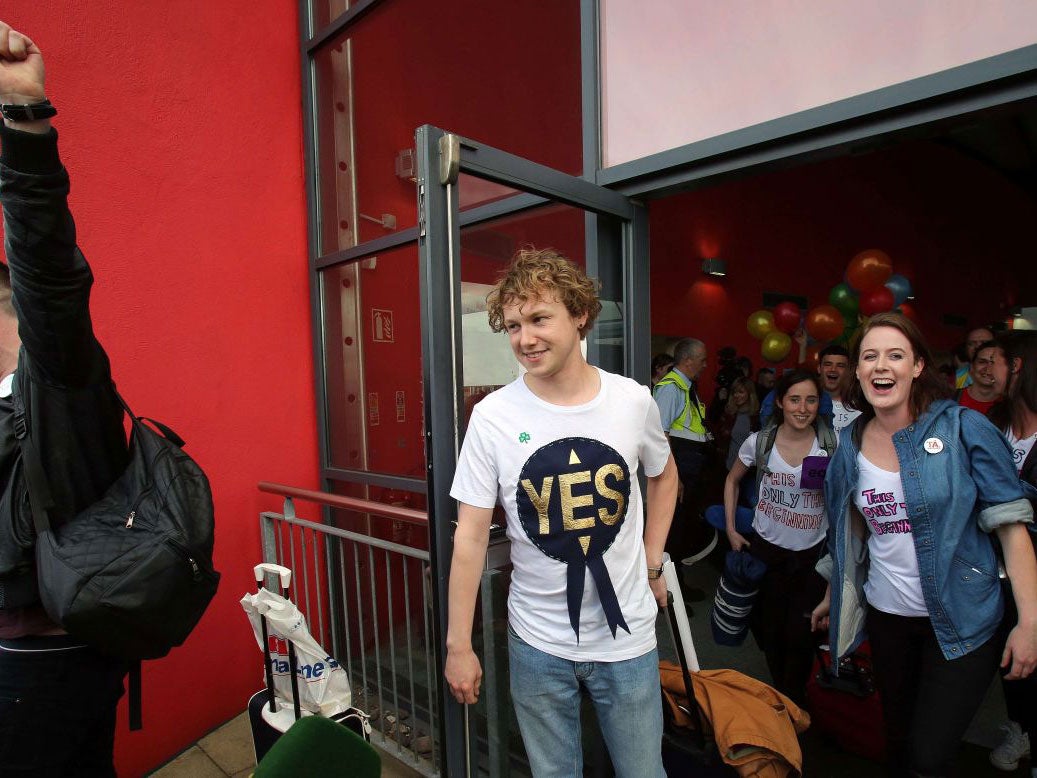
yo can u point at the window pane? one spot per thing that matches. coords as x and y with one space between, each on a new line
326 11
510 77
372 347
486 250
473 192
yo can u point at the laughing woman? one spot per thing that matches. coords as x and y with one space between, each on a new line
913 491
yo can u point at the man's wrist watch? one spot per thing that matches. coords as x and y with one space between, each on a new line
654 572
16 112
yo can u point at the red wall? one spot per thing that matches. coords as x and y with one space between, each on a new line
181 127
959 231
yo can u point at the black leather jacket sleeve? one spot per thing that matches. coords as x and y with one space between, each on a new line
49 275
63 375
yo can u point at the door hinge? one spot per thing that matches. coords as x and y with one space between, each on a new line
449 158
421 210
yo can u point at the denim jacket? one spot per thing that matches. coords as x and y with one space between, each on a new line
959 484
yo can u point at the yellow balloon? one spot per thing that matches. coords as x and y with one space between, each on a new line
775 346
760 323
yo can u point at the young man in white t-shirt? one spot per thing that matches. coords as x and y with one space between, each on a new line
559 448
831 365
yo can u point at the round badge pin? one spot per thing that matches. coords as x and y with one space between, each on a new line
933 446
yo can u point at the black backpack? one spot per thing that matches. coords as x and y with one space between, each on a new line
132 574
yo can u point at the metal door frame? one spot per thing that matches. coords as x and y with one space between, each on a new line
442 157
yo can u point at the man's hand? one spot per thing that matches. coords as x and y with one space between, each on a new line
658 587
464 675
21 68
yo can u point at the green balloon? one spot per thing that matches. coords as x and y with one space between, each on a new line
847 336
845 299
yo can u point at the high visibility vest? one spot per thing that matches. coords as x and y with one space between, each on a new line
693 415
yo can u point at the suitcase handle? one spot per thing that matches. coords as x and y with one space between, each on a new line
263 568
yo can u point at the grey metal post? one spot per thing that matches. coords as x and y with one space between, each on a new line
438 242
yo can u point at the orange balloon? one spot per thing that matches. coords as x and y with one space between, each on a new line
824 322
869 270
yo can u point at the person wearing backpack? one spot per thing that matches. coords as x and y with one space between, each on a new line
57 696
790 455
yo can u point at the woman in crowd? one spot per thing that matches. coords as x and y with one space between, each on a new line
789 523
912 492
741 417
1016 417
661 365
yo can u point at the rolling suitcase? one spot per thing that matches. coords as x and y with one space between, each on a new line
688 745
267 719
844 703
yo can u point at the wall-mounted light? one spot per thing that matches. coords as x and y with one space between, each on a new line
714 267
911 296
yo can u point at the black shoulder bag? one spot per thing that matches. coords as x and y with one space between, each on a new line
131 574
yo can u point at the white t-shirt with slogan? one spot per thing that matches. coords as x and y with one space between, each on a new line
1021 448
893 585
787 515
842 416
567 478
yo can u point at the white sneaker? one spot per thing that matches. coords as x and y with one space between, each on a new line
1014 747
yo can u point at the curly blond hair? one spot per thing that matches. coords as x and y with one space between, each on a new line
541 273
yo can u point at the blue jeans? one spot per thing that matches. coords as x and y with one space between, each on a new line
546 693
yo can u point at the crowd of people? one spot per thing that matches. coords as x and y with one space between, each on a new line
892 502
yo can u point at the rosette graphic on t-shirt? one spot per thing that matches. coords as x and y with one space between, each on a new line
572 498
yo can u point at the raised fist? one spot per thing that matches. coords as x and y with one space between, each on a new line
21 68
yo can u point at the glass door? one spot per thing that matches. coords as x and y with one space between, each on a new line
476 206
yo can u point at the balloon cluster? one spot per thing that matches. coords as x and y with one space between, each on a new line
870 287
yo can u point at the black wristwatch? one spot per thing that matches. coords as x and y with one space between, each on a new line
28 113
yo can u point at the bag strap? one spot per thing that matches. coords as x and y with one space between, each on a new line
826 436
764 443
40 498
165 431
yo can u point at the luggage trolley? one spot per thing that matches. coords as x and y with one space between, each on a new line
268 719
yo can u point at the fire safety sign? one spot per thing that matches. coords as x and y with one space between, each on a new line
381 325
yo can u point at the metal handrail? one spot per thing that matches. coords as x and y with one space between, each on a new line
408 515
361 583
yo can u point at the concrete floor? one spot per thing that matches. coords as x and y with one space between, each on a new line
227 753
821 759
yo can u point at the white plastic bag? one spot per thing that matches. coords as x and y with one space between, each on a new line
323 685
